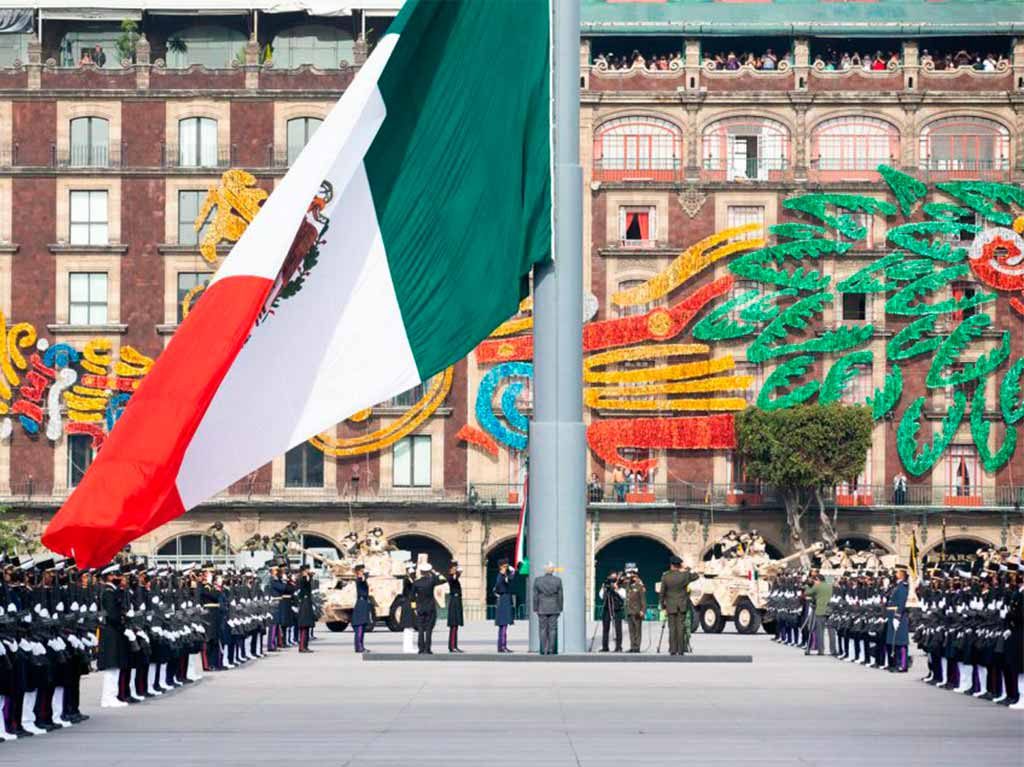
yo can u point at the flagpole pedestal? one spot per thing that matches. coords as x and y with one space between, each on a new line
557 515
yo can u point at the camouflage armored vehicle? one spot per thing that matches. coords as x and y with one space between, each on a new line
385 567
735 588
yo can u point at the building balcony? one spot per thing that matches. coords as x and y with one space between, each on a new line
832 171
626 170
950 170
87 157
751 169
204 159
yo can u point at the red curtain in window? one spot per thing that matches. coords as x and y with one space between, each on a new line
638 223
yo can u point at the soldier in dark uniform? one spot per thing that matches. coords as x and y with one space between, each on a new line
455 612
113 652
612 597
897 628
407 609
504 609
675 600
209 600
426 605
362 612
306 617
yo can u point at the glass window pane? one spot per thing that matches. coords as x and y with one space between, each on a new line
421 465
99 128
293 467
98 287
79 234
79 206
78 286
402 456
97 206
190 545
79 132
98 234
314 466
98 314
78 314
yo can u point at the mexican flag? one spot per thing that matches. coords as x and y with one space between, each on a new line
401 237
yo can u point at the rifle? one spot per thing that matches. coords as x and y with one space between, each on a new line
662 637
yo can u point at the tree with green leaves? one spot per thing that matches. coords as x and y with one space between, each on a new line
803 452
15 537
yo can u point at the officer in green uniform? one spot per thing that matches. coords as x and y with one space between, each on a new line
675 601
636 606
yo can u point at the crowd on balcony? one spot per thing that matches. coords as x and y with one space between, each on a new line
989 62
764 62
636 60
833 61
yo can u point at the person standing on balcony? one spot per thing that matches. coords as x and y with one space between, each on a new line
619 484
504 613
899 488
455 612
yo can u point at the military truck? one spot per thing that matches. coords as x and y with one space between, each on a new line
384 567
735 589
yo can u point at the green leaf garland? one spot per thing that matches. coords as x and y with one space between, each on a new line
885 399
906 435
955 344
817 205
719 326
780 378
980 429
905 236
910 341
980 196
907 189
905 301
840 374
1010 401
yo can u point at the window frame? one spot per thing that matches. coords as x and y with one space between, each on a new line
200 148
97 153
89 304
73 479
304 451
651 149
415 475
93 228
194 237
181 295
307 133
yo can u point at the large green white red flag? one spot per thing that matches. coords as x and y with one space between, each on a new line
430 182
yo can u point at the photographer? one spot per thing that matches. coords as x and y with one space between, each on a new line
613 597
636 606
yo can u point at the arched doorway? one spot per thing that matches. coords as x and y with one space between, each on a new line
436 552
648 554
504 550
185 549
961 550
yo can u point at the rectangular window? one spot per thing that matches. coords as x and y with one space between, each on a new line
189 203
197 142
755 371
90 142
89 224
300 130
964 291
187 284
866 222
304 467
859 388
79 457
638 226
855 307
87 298
411 462
963 471
741 215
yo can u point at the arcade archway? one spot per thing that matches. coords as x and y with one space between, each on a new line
861 543
962 550
648 554
436 552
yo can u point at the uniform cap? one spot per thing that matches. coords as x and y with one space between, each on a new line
674 560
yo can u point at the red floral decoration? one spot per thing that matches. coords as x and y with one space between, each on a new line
708 432
478 437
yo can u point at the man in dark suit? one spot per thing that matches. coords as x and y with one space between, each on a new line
547 603
426 604
675 601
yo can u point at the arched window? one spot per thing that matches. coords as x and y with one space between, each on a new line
212 45
191 547
90 143
300 130
639 148
855 143
320 45
197 142
746 147
966 145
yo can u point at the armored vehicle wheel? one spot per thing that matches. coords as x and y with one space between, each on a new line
394 624
747 618
769 626
337 625
711 620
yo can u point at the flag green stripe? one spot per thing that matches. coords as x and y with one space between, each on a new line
460 170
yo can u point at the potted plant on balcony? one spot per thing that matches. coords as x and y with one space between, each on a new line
127 41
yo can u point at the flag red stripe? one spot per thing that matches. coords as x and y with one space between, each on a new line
130 487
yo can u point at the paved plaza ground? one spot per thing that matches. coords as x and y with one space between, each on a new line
331 709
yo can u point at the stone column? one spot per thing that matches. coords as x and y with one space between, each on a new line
911 65
142 63
691 63
1018 165
801 63
909 140
800 139
252 64
34 66
692 103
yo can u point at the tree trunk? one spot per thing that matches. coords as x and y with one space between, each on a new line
794 516
828 527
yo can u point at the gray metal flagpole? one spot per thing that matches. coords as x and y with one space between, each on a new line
556 522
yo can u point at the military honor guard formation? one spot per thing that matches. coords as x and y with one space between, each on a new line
147 630
966 618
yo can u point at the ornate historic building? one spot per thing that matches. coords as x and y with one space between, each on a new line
730 155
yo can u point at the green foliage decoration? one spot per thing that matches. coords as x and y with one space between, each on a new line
907 189
917 463
780 378
1011 403
797 317
840 374
910 341
905 301
906 236
719 326
980 196
766 308
792 230
980 429
865 280
885 399
818 205
956 343
754 265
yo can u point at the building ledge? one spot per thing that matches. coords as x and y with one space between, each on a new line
174 249
110 328
8 250
400 411
63 248
661 251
